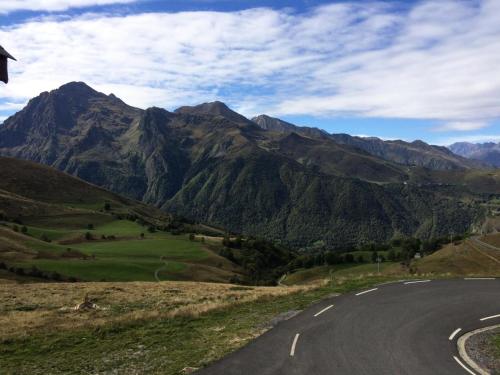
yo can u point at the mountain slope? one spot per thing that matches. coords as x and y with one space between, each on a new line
210 164
488 152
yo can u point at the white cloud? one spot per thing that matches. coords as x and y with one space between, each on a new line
438 60
7 6
462 126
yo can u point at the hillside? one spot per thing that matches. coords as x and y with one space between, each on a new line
57 227
210 164
488 153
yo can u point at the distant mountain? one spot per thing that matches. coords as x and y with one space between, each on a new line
264 177
277 125
488 153
415 153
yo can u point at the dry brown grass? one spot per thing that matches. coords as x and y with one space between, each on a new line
463 259
29 308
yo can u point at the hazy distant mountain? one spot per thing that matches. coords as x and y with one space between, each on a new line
266 178
488 153
416 153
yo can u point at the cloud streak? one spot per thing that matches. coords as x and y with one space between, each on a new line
437 60
7 6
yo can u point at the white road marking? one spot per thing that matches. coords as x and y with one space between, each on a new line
479 278
454 333
461 364
490 317
292 351
322 311
366 291
417 281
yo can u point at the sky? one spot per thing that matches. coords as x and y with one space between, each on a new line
404 69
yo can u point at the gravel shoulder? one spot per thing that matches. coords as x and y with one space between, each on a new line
483 349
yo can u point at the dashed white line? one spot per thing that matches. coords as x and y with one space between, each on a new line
454 333
490 317
464 367
479 278
322 311
292 351
366 291
416 282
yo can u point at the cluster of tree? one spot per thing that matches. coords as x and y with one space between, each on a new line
263 261
37 273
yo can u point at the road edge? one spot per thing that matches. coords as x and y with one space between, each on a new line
463 352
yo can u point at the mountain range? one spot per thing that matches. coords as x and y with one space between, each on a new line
488 153
261 176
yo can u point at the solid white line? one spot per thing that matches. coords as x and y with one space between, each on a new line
366 291
461 364
454 333
322 311
479 278
292 351
490 317
417 281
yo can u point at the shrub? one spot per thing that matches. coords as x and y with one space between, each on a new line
24 229
88 236
44 237
90 226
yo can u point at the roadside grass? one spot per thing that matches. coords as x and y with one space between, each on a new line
147 339
496 345
304 276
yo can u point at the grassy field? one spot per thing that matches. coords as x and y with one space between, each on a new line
127 257
140 328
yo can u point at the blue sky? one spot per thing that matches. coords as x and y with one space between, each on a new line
393 69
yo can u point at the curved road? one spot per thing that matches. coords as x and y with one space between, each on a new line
398 328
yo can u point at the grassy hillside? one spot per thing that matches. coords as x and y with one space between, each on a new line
465 258
57 227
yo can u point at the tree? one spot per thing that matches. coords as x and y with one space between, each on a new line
151 229
391 255
142 236
88 236
349 258
191 236
226 241
24 229
332 258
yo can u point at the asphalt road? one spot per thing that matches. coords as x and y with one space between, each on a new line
395 329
